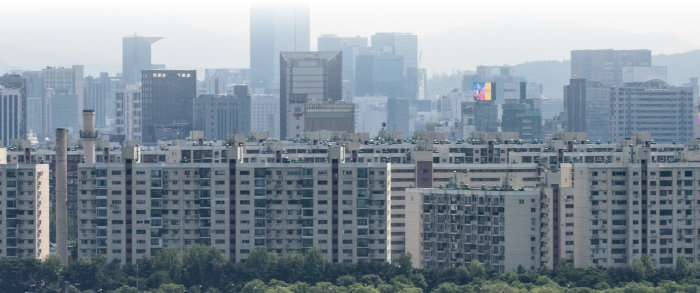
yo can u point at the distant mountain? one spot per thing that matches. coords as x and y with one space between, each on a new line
553 75
681 66
524 38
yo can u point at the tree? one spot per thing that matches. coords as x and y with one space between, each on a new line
170 288
125 289
683 269
405 264
448 288
168 260
643 268
346 281
254 286
476 270
201 265
261 263
371 280
314 264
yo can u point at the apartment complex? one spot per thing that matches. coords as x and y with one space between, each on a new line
132 209
358 199
24 212
456 225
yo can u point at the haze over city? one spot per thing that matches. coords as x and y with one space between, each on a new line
454 35
349 146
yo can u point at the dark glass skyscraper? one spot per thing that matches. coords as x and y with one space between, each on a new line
167 103
136 56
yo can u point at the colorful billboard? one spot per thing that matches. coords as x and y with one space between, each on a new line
482 91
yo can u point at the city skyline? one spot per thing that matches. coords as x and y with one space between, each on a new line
183 27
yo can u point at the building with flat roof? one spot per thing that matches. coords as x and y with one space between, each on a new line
12 115
221 115
663 110
307 77
587 108
338 116
339 207
450 227
136 57
167 97
25 210
606 66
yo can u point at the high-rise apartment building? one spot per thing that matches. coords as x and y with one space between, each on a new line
587 108
606 66
275 28
221 115
307 77
339 207
136 57
654 106
167 97
25 210
128 122
500 228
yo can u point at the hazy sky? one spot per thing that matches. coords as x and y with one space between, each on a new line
75 21
423 17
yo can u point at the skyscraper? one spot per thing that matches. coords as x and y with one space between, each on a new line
15 108
351 47
524 117
63 89
128 115
35 98
136 56
11 111
167 103
380 74
307 77
99 97
275 28
405 45
606 65
587 108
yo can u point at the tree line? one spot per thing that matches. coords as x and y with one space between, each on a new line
205 269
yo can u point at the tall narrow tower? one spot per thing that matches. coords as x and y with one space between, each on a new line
136 57
88 135
61 194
